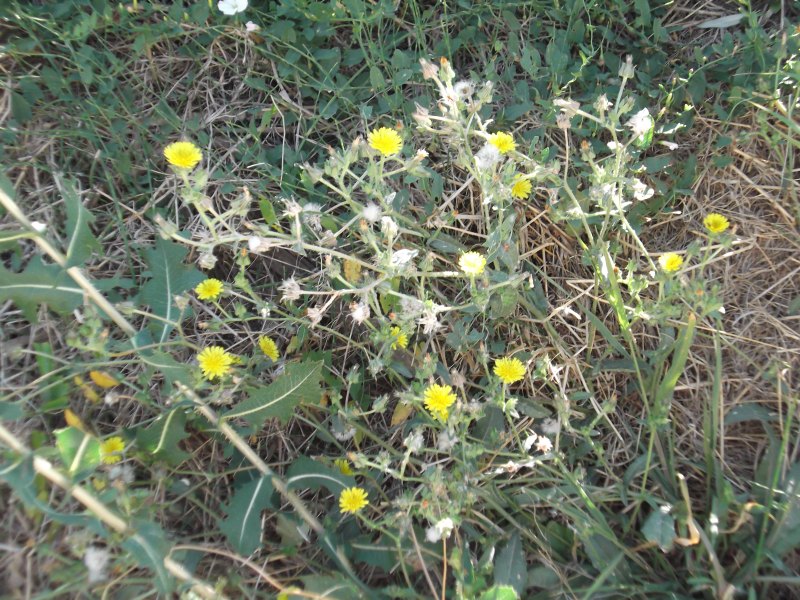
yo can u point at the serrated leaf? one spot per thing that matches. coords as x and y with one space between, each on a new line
162 437
168 278
310 474
81 239
659 528
242 526
40 284
300 382
510 568
149 547
79 451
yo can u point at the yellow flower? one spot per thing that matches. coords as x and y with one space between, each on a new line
400 338
522 188
670 262
215 361
268 347
438 399
343 465
184 155
715 223
210 289
472 263
504 142
353 500
111 449
509 370
386 141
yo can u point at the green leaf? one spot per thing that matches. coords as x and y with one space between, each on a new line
79 450
149 547
667 385
510 568
299 383
242 526
81 240
499 592
168 278
162 437
267 211
310 474
333 587
659 528
40 284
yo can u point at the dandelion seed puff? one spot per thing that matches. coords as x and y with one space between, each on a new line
371 213
96 560
487 157
359 311
290 289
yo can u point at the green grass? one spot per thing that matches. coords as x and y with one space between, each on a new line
670 399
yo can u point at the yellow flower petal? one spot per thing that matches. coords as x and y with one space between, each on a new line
400 339
353 500
111 450
509 370
504 142
183 155
210 289
386 141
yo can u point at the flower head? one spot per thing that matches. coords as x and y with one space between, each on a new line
215 361
438 400
353 500
268 347
472 263
231 7
543 444
521 188
670 262
487 157
399 338
509 370
183 155
715 223
504 142
111 450
210 289
386 141
640 123
343 465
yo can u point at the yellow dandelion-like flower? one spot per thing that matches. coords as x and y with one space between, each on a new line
438 400
386 141
399 338
353 500
215 361
670 262
184 155
343 465
210 289
509 370
268 347
504 142
522 188
472 263
715 223
111 450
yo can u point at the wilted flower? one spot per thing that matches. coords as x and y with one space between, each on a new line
293 209
640 123
602 104
414 441
359 311
568 107
291 290
389 227
402 257
207 260
315 315
543 444
562 122
311 215
429 70
626 69
446 441
430 323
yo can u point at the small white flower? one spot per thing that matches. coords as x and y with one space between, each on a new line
641 191
96 560
464 90
232 7
640 123
207 260
371 213
251 27
543 444
359 311
400 258
312 214
38 226
440 530
487 157
290 289
420 155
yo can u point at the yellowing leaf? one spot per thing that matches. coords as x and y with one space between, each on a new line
102 379
73 420
401 413
90 394
352 271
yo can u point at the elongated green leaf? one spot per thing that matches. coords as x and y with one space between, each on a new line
162 437
242 525
333 587
40 284
510 567
679 357
659 528
168 278
81 240
310 474
79 450
149 547
299 383
499 592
